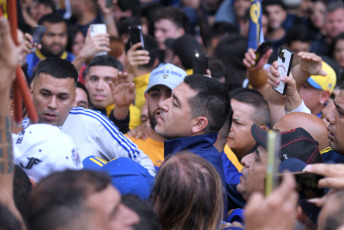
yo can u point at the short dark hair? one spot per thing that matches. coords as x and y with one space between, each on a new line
52 18
333 6
273 2
177 16
148 218
333 44
72 31
220 29
56 67
261 115
83 87
59 199
298 33
103 60
21 191
211 101
49 3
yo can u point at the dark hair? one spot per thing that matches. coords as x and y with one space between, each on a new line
49 3
216 67
211 101
59 199
333 45
188 193
21 191
273 2
148 218
8 220
104 60
231 51
177 16
151 45
82 86
298 33
222 28
56 67
124 24
72 31
261 115
333 6
52 18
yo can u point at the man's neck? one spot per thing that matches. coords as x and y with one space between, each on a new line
155 136
86 18
275 34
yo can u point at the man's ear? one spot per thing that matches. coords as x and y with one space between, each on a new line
180 32
31 87
324 96
199 124
264 127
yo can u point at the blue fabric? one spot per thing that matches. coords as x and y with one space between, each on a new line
255 32
333 157
237 215
225 12
32 60
234 197
232 175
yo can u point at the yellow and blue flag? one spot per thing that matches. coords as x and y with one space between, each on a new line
255 32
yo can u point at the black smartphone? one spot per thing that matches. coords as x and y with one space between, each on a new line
37 34
136 36
284 60
200 63
262 49
306 185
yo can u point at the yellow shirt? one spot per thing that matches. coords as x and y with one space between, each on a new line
135 114
153 149
233 158
141 83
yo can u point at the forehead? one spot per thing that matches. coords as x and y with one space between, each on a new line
58 85
183 91
103 71
55 27
241 108
165 23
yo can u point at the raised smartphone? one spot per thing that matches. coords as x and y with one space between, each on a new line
136 36
307 185
37 34
284 60
96 29
200 63
262 49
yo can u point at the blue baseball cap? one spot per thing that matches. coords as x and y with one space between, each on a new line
128 176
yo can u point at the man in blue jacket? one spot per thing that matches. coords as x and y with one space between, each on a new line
191 118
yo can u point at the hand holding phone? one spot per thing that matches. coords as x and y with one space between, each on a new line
96 29
37 34
136 36
285 58
262 49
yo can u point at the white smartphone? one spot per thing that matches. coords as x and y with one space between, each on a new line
96 29
284 60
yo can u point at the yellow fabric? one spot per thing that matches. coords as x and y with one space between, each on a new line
325 150
141 83
41 56
153 149
135 115
189 71
233 158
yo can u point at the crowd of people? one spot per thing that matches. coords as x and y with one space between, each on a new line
136 136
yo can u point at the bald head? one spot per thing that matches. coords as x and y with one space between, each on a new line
311 123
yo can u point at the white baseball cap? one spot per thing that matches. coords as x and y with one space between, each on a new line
41 149
168 75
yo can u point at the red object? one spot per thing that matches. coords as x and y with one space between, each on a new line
20 88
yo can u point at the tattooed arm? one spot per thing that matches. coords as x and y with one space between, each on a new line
9 59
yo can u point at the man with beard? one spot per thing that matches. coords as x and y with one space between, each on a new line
161 82
54 42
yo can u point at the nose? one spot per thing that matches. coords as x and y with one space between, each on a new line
331 116
163 104
130 217
52 103
99 85
246 160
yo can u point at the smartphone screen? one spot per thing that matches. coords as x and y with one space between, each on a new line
136 36
37 34
200 63
284 60
307 185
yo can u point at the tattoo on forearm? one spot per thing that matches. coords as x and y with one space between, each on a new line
6 147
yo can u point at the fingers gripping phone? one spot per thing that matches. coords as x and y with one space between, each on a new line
262 49
96 29
284 60
136 36
200 63
37 34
